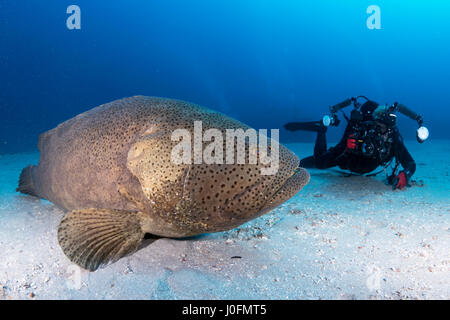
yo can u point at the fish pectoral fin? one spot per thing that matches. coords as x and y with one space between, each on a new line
95 237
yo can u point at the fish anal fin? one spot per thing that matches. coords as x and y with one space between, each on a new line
95 237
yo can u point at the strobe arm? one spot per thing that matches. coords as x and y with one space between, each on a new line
341 105
422 133
409 113
333 120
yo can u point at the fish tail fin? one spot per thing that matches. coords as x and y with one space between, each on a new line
26 183
95 237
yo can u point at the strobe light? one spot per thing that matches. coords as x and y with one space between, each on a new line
327 120
422 134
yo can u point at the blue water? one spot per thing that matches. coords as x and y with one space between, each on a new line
262 62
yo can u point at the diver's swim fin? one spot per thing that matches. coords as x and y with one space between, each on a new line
316 126
308 162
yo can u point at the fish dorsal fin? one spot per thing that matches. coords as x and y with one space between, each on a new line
95 237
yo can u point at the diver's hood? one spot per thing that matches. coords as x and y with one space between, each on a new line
367 109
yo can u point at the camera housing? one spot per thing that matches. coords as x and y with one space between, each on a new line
372 140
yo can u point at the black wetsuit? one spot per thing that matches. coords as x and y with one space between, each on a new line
339 155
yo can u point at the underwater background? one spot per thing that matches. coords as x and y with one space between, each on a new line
262 62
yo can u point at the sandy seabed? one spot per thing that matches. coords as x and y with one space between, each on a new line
339 238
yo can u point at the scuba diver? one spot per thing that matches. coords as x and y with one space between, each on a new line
371 139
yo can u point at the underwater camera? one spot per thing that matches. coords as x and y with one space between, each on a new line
372 140
385 114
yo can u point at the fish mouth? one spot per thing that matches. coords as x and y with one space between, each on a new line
300 177
293 184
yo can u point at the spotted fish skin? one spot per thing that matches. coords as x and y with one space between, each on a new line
116 157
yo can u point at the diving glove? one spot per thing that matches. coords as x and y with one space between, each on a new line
400 181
